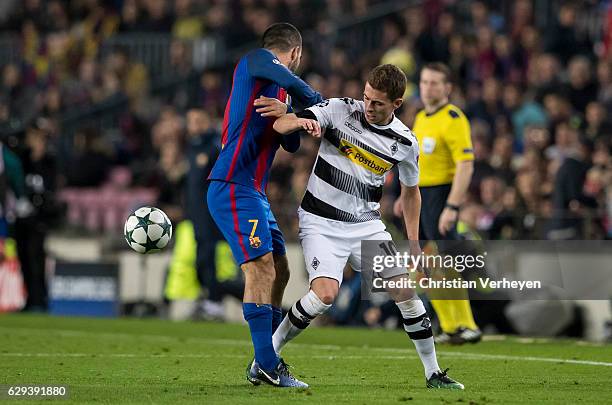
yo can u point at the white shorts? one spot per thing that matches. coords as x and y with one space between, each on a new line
328 245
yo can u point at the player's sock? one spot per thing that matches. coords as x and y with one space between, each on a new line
418 327
298 318
259 317
463 314
445 310
277 318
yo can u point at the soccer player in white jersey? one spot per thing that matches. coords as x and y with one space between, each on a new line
362 141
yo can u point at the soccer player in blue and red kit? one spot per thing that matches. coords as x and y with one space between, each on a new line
236 196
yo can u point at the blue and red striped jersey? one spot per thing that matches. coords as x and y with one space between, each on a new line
249 143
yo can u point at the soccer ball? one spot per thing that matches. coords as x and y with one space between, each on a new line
147 230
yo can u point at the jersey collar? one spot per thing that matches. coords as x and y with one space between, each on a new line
436 110
384 126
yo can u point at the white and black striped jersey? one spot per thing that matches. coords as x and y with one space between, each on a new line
347 179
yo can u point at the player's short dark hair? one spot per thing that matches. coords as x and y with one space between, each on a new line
281 36
390 79
441 68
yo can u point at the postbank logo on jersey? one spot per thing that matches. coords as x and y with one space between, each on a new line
363 158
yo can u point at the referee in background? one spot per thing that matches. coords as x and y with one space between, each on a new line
446 164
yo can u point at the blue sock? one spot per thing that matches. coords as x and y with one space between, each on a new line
259 318
277 318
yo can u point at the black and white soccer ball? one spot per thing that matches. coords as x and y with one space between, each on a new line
147 230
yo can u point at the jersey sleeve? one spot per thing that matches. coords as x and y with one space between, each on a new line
409 167
458 137
264 65
330 111
291 142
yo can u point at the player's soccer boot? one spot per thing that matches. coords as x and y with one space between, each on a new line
209 310
465 335
441 380
251 373
280 377
443 338
288 379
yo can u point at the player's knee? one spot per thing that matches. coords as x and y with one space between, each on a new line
266 274
264 268
401 293
327 292
328 298
266 261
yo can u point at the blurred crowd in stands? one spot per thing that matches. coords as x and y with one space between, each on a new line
538 93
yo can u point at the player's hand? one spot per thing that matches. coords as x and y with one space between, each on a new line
311 126
415 248
270 107
447 221
417 257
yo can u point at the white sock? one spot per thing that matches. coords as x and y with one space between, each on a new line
418 327
297 319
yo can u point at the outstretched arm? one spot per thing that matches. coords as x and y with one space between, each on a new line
289 123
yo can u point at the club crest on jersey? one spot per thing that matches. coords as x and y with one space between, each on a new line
255 242
394 148
363 158
315 263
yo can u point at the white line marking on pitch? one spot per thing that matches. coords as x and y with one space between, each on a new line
234 342
190 356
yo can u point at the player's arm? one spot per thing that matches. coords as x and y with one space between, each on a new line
461 182
411 210
291 142
460 143
290 123
410 197
263 65
322 115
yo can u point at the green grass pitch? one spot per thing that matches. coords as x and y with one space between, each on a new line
154 361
